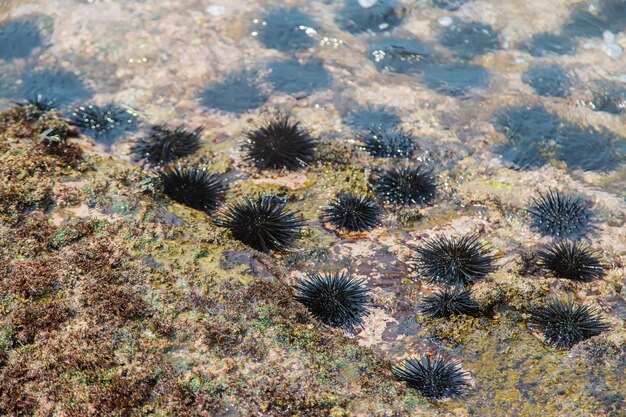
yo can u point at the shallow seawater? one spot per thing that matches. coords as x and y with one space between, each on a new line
505 98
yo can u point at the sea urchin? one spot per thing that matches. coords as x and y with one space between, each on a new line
404 186
280 144
558 214
434 378
388 143
262 223
448 302
453 261
573 261
336 299
40 102
564 324
193 187
164 145
352 212
106 123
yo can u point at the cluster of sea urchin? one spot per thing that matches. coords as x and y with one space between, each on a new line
564 324
453 261
336 299
280 144
352 212
388 143
164 145
193 186
448 302
405 186
262 223
435 378
558 214
574 261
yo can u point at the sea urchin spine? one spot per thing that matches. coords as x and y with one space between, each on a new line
449 302
434 378
405 186
564 324
280 144
262 223
573 261
454 261
352 212
336 299
194 187
164 145
558 214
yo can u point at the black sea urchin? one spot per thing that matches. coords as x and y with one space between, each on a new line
164 145
557 214
448 302
388 143
379 16
336 299
564 324
573 261
106 123
434 378
40 102
405 186
352 212
262 223
280 144
193 187
454 261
